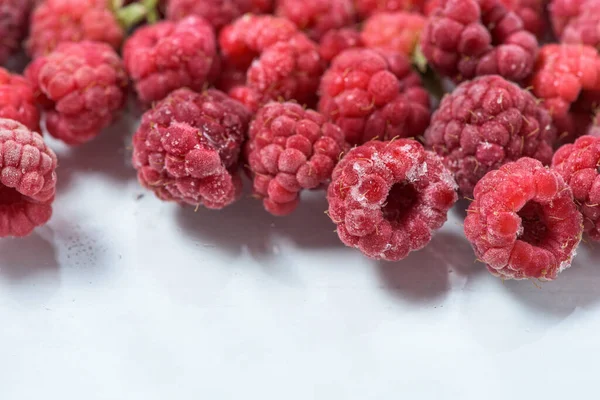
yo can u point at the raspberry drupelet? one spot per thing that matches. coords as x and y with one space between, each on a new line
579 165
576 21
372 96
463 39
366 8
14 18
17 100
387 198
336 41
170 55
27 179
291 149
82 87
523 222
485 123
396 32
188 145
217 12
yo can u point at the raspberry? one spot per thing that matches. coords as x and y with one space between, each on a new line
579 164
576 22
388 197
317 17
188 145
218 12
463 39
563 74
366 8
170 55
14 15
336 41
523 222
17 100
291 149
371 96
82 86
27 179
531 13
486 123
396 32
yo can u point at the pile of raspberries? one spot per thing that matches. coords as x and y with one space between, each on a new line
393 110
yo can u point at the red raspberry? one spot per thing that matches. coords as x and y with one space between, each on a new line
576 21
14 16
366 8
396 32
486 123
170 55
579 165
336 41
523 222
17 100
317 17
531 13
563 74
82 86
27 179
371 96
291 149
467 38
388 197
188 145
218 12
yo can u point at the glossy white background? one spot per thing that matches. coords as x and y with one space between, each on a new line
123 297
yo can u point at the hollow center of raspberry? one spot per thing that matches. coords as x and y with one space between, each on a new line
533 223
400 201
9 196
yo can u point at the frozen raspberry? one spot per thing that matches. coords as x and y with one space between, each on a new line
248 36
566 78
188 145
523 222
82 87
370 96
486 123
27 179
336 41
396 32
17 100
531 13
388 197
576 21
317 17
366 8
14 15
218 12
291 149
463 39
288 70
170 55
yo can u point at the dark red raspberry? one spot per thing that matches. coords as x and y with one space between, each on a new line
14 15
388 197
395 32
170 55
17 100
291 149
27 179
218 12
579 165
188 145
467 38
82 87
317 17
576 21
336 41
531 13
486 123
523 222
371 96
366 8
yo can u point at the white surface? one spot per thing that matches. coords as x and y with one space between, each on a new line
122 297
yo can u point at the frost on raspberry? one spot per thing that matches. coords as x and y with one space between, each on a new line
188 145
395 32
463 39
366 8
171 55
387 198
14 18
523 222
372 96
486 123
17 100
27 179
576 22
291 149
82 87
337 41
